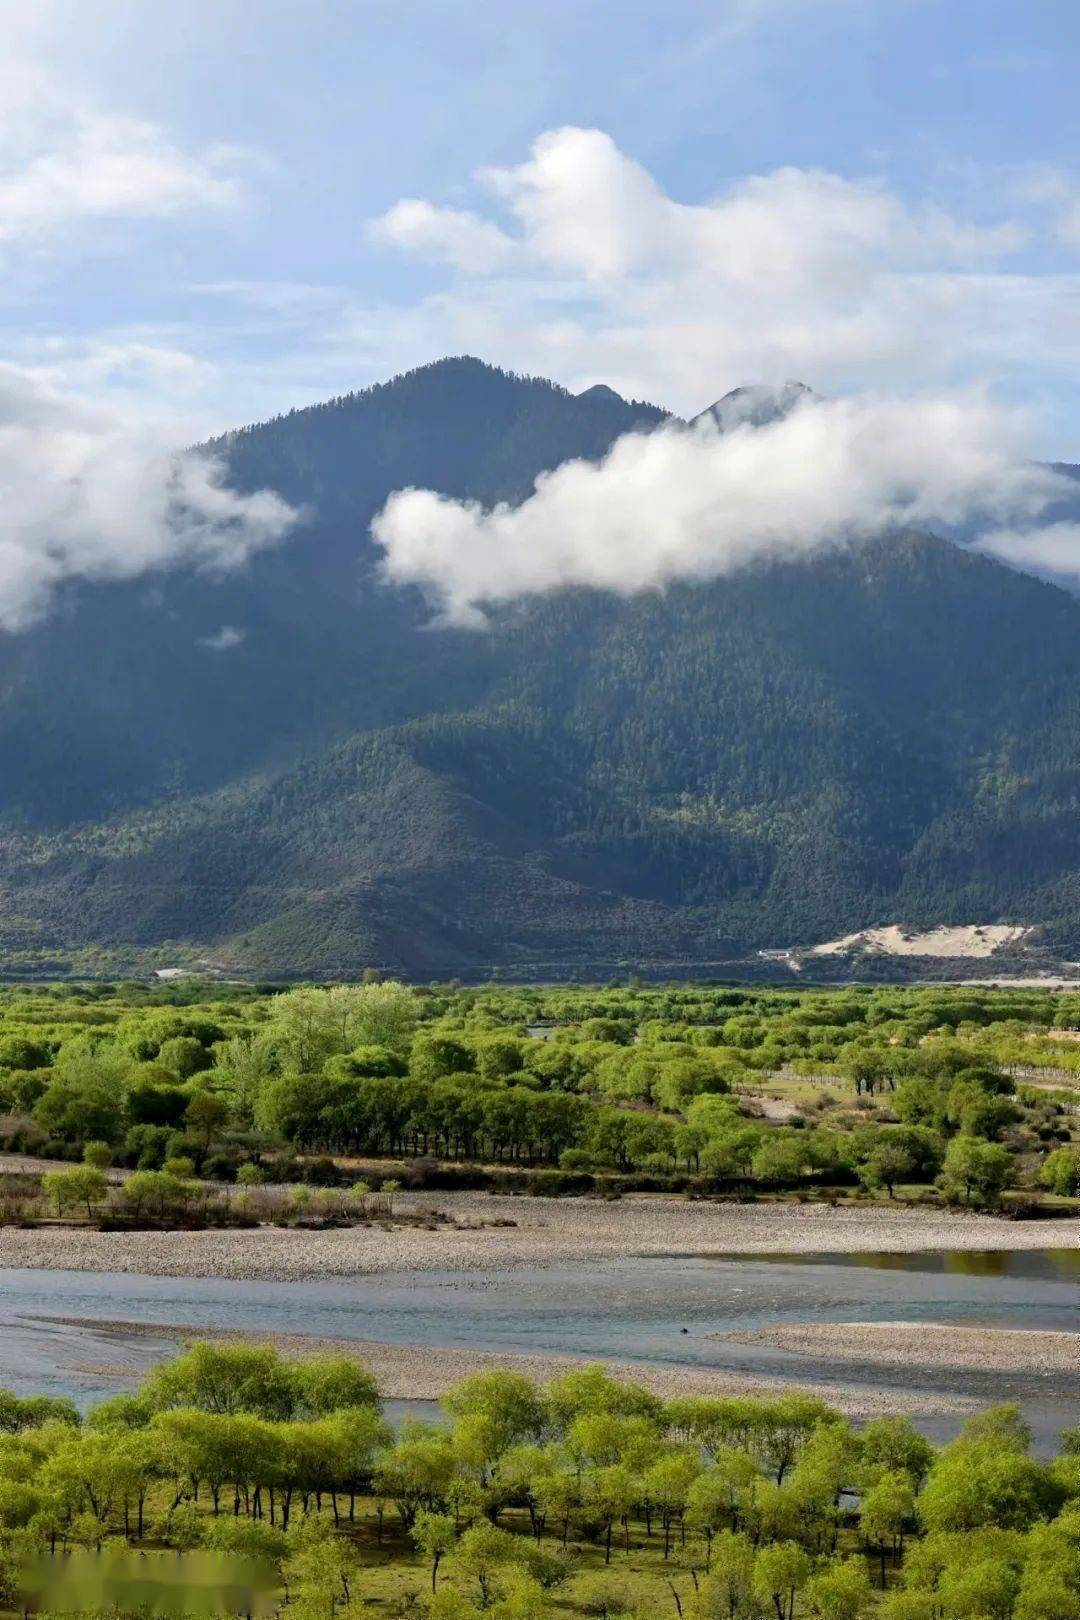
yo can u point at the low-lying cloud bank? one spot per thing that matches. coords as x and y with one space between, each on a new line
693 503
89 495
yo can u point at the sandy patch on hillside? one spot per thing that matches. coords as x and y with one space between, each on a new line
893 940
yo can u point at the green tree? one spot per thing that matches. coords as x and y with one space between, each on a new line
611 1494
482 1553
434 1535
144 1188
22 1052
246 1538
782 1427
887 1163
207 1113
184 1056
666 1485
508 1401
82 1185
979 1170
1061 1172
225 1378
782 1156
839 1591
727 1592
242 1067
984 1482
892 1443
979 1588
781 1570
326 1384
81 1109
886 1512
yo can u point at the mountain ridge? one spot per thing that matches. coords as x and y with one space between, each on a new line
786 756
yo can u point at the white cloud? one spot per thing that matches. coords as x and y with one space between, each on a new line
223 640
1053 550
448 233
64 161
694 503
119 367
91 495
108 166
583 266
584 206
93 488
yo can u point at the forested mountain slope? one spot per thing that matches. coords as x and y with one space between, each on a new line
889 732
126 694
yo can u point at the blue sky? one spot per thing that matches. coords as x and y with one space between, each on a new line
212 212
317 116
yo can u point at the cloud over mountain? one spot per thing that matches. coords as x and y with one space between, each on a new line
89 494
94 487
579 261
693 503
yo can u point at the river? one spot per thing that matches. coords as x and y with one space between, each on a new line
673 1310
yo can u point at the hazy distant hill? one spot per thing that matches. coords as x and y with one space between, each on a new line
286 768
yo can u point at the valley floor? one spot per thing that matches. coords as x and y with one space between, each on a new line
545 1231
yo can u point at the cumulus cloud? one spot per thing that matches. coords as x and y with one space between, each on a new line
579 263
693 503
90 495
584 206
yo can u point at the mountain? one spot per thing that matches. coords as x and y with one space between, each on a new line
131 693
287 771
757 405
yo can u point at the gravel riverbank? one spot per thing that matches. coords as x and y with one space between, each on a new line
545 1231
423 1372
925 1344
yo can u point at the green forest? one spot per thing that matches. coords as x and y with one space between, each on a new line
585 1497
963 1096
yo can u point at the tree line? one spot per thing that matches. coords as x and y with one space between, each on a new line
899 1087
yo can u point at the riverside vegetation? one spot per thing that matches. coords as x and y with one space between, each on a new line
967 1095
585 1497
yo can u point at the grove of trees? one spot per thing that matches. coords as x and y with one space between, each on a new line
969 1091
588 1495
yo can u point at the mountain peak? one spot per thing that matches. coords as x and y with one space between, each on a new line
601 392
757 404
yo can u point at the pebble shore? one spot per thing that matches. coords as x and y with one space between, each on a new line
545 1231
926 1344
